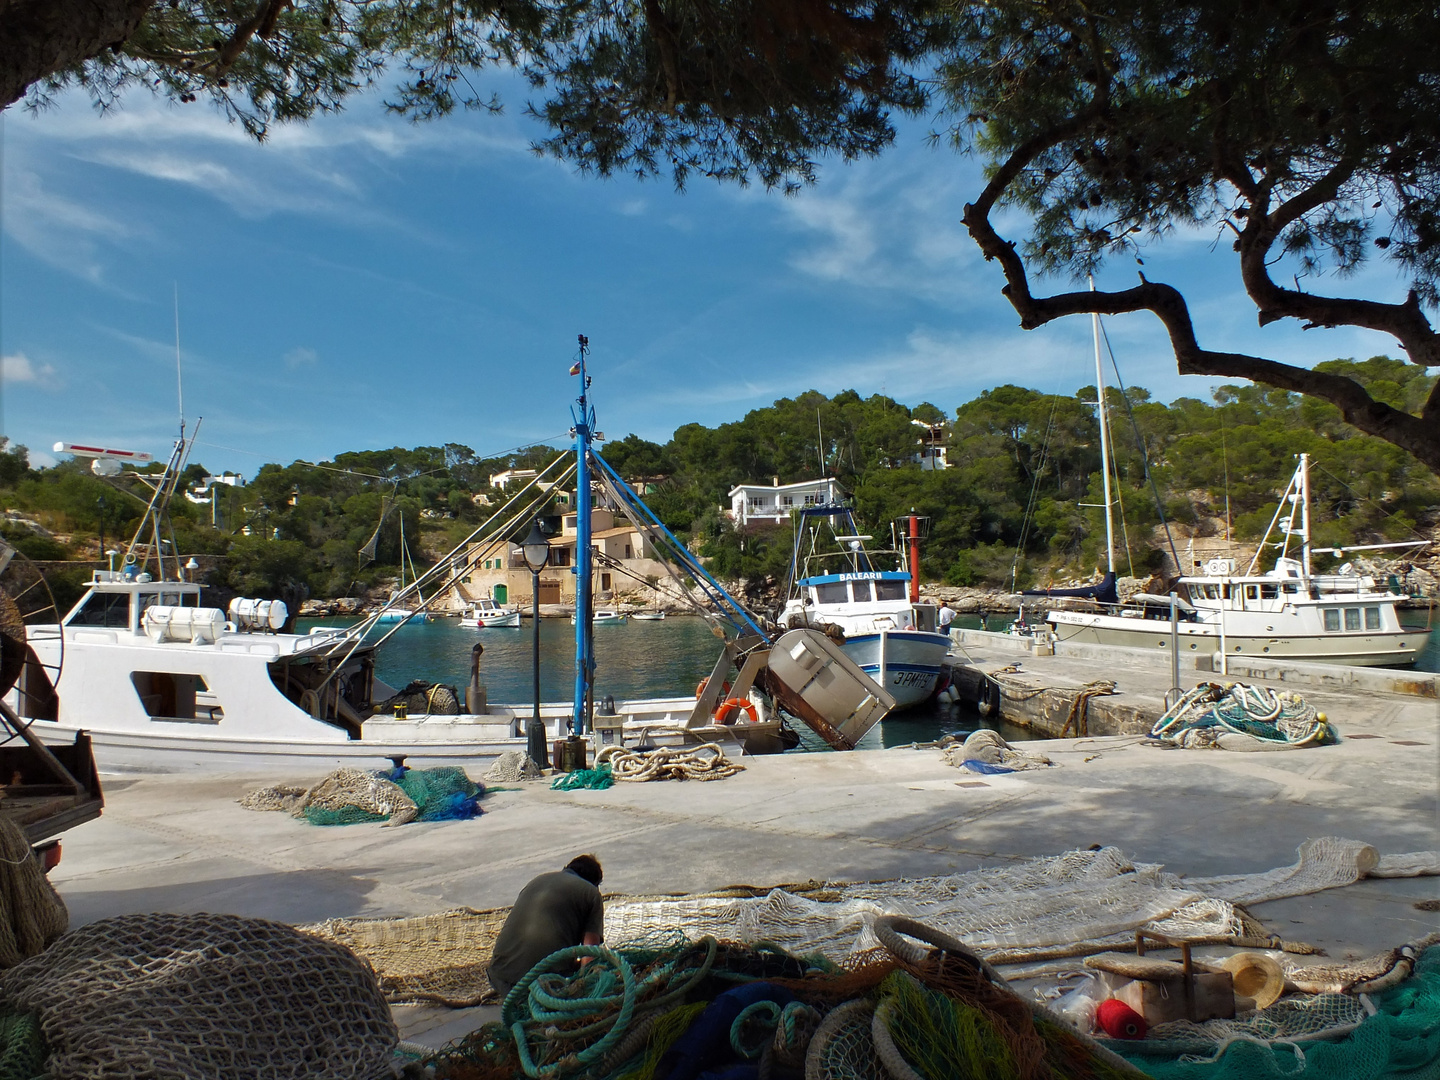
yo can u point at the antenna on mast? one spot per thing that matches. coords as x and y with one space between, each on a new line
820 442
179 385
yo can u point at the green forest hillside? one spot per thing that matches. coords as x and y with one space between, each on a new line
1009 508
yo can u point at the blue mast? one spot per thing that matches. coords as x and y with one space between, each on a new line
584 641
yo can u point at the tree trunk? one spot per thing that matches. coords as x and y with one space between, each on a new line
41 37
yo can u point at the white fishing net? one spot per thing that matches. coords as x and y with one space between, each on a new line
1054 901
1324 863
1062 905
1292 1019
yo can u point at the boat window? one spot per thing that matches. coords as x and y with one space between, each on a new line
1252 592
1332 619
1291 587
1352 618
104 609
173 696
1372 618
889 590
1269 592
1225 591
832 592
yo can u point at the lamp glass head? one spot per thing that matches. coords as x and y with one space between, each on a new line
536 549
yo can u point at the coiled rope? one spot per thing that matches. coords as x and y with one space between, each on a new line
704 762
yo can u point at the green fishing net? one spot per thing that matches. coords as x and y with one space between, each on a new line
1400 1041
22 1047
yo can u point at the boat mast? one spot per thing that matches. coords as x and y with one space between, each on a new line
1305 514
584 654
1104 440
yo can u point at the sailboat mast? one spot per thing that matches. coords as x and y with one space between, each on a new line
1104 441
584 658
1305 513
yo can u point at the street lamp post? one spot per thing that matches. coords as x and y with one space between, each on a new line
536 552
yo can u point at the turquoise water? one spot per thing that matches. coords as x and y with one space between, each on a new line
644 660
632 660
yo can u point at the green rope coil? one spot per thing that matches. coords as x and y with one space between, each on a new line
569 1008
761 1017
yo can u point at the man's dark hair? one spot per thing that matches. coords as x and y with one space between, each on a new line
588 867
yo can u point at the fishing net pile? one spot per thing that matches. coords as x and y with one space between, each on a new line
32 915
1051 906
1239 716
1054 906
432 958
675 1008
166 997
1391 1032
512 767
350 796
984 751
424 698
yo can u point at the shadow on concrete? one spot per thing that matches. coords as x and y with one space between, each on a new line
300 896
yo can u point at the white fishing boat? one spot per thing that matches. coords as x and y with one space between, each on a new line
648 616
892 638
485 613
604 617
1288 611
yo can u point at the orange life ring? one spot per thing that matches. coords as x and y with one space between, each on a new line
724 714
700 688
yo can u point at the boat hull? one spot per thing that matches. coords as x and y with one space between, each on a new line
905 662
510 621
469 742
1363 649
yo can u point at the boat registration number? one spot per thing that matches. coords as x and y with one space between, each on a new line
911 678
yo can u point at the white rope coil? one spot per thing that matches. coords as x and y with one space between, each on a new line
704 762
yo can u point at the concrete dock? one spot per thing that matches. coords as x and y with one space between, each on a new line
182 843
1036 688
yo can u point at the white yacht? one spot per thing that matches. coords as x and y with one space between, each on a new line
893 639
1288 611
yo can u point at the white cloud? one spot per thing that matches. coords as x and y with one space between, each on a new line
59 231
301 356
18 368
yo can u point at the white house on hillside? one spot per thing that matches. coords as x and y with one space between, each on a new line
931 454
755 502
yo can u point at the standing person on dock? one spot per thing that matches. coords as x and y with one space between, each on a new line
555 911
945 616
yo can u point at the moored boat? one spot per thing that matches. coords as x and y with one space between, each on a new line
892 638
1288 612
485 613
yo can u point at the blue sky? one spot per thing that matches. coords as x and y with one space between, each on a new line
362 282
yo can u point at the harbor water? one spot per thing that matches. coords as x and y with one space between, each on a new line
632 660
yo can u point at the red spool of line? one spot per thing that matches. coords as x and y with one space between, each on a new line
1119 1020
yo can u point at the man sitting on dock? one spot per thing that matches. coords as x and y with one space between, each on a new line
555 911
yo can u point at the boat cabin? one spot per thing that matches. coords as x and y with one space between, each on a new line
877 594
117 603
